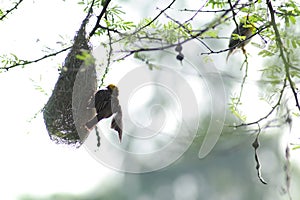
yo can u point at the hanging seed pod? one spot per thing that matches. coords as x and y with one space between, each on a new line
178 48
180 56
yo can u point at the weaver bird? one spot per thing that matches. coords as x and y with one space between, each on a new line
107 104
241 36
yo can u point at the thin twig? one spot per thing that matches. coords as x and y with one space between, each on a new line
249 38
108 58
10 10
196 13
220 10
155 18
110 29
270 112
188 31
233 16
199 33
203 11
145 26
25 62
243 81
90 11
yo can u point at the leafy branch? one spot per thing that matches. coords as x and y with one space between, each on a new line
192 35
155 18
99 17
280 45
271 111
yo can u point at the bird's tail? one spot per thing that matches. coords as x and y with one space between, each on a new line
117 124
229 53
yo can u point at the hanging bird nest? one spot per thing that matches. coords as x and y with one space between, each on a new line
66 110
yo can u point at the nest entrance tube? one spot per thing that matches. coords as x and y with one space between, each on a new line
65 113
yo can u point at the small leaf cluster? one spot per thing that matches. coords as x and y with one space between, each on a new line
114 19
8 60
235 101
86 57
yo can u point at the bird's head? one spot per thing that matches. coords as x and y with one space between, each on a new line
248 22
111 87
114 89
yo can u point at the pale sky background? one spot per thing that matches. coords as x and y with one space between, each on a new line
30 162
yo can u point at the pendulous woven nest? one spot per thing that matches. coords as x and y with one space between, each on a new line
66 110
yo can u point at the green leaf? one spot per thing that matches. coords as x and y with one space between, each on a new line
296 147
86 57
294 44
238 37
265 53
292 19
233 108
211 33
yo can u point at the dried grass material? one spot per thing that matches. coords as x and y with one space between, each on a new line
65 113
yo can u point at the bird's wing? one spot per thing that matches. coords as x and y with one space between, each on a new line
102 99
115 104
243 31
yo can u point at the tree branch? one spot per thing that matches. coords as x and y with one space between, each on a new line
196 13
220 10
105 6
110 51
199 33
227 49
281 50
233 15
155 18
10 10
26 62
243 82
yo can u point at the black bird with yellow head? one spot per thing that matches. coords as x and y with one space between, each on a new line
241 35
106 103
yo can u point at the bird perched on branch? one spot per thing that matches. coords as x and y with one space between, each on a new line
107 104
241 35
